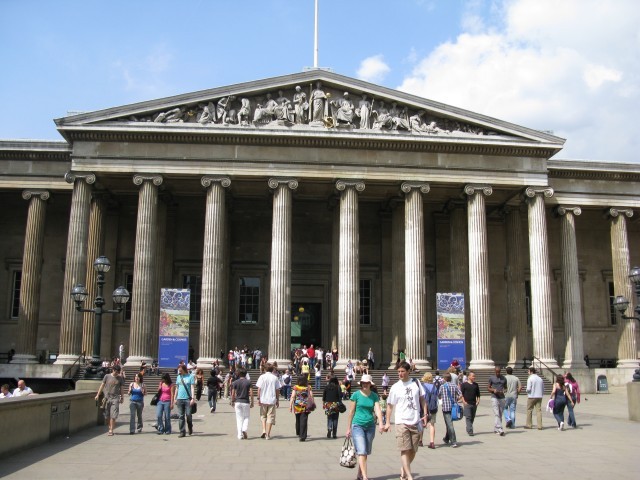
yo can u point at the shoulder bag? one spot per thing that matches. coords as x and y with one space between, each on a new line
156 398
194 407
456 409
311 403
348 454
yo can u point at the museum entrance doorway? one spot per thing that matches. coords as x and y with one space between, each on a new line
306 324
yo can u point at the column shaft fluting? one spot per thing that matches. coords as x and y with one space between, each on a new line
398 274
212 311
144 271
571 297
29 312
627 343
280 293
348 284
542 317
160 273
516 292
95 248
415 280
479 306
459 261
75 267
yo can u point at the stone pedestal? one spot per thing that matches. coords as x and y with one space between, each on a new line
633 398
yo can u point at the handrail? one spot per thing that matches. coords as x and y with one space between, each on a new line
82 355
533 357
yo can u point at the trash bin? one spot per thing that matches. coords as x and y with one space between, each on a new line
59 426
601 384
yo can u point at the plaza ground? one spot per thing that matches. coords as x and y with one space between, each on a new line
604 446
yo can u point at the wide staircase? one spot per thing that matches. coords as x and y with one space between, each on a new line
152 381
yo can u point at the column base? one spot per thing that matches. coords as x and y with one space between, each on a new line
65 359
546 363
422 365
24 358
482 365
283 363
572 365
206 363
628 363
136 361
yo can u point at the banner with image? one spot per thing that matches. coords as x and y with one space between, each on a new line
451 333
174 327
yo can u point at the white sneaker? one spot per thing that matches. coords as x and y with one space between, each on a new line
561 426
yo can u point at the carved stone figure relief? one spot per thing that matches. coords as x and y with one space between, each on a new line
321 107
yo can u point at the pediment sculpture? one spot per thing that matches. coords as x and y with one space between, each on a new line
320 108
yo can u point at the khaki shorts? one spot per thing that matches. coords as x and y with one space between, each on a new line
432 418
407 437
268 412
112 408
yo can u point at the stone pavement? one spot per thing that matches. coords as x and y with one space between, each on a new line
604 446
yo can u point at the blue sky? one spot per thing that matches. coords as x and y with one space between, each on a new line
568 66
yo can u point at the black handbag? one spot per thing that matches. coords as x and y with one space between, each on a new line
156 398
342 407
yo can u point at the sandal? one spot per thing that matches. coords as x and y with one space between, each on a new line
110 434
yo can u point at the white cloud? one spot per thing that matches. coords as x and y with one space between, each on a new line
373 69
144 76
568 66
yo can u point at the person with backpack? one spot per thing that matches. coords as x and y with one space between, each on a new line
431 399
574 391
470 400
286 384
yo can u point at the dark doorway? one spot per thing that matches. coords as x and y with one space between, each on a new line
306 324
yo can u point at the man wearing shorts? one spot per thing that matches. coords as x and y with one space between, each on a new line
268 387
112 387
408 398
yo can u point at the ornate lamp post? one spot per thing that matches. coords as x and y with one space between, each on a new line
622 305
79 295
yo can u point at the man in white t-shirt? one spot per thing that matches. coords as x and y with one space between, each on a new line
22 390
408 397
268 387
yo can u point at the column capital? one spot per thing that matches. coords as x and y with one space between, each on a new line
207 180
43 194
70 177
274 183
614 212
406 187
341 185
139 179
471 189
531 192
564 209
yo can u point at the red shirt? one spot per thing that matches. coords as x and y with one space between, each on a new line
311 352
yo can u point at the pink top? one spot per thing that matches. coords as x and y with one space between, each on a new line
165 396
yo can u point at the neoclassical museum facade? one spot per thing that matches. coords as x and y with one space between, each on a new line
316 208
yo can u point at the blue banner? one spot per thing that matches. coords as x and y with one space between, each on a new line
451 331
174 327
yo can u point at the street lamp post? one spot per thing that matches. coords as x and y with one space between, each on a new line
622 305
79 295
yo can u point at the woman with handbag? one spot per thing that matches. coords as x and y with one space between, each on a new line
302 404
137 391
561 397
361 426
332 405
165 404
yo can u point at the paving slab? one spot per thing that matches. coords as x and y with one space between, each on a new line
604 446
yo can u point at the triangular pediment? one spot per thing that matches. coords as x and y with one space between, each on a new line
316 102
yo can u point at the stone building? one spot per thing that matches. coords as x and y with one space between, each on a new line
340 205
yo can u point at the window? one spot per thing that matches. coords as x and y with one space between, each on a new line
16 284
527 301
128 284
193 283
249 300
365 302
613 312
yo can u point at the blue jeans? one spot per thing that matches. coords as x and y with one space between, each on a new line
510 410
184 410
332 423
572 417
135 409
312 362
318 383
558 409
451 432
286 391
163 412
363 438
213 397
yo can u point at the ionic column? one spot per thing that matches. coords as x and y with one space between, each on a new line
280 294
398 274
95 248
627 346
542 319
161 263
479 306
348 283
144 271
459 260
75 270
571 299
415 281
212 318
516 292
31 277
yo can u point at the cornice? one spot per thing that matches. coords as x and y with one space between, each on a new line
294 139
584 170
